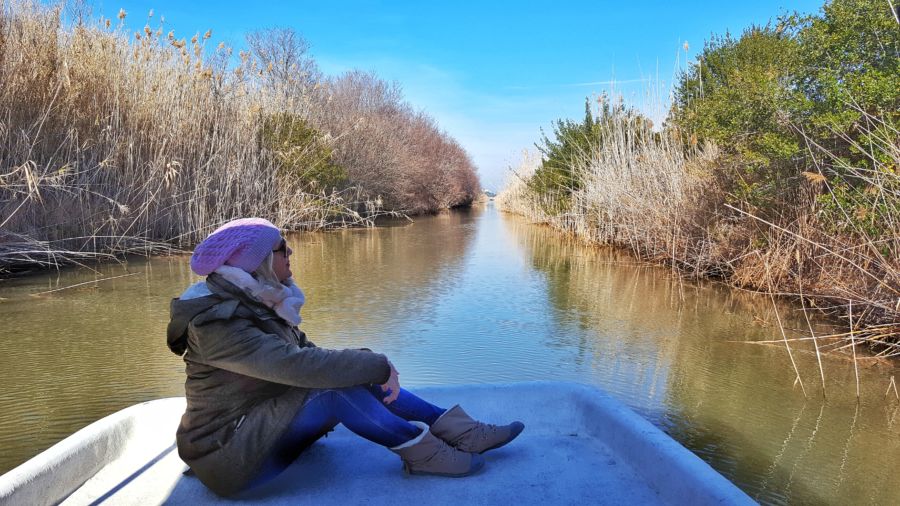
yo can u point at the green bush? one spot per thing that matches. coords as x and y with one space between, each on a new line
301 153
850 54
849 72
556 178
737 95
827 84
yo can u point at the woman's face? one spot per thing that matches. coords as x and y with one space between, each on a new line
281 262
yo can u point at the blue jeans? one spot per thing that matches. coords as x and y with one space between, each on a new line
361 410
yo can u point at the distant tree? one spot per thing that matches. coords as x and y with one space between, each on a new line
282 58
397 155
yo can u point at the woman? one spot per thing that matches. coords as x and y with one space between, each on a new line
259 392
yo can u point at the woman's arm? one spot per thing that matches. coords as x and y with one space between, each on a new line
239 346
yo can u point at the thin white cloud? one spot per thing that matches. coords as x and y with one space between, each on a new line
610 82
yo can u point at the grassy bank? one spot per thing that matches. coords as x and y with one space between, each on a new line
119 141
779 176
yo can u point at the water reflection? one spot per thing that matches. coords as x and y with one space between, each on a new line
674 351
363 285
482 298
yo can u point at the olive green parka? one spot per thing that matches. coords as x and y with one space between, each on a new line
248 375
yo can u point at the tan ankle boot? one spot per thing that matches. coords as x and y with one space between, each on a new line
460 431
426 454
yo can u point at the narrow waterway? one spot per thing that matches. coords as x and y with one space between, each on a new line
482 297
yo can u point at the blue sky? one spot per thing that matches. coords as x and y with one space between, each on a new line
491 73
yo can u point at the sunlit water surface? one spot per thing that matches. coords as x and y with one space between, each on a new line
481 297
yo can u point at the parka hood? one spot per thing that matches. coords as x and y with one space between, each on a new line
213 299
195 300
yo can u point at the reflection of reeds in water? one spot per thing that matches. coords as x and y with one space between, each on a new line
559 251
770 472
363 283
892 384
810 441
846 451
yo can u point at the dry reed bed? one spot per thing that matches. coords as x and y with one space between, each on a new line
662 200
114 142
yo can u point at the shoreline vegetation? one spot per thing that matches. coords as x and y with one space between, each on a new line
776 171
119 142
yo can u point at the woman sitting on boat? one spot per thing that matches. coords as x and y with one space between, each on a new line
259 392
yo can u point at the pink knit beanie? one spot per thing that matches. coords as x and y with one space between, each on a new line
242 243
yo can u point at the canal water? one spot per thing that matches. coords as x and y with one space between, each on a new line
484 297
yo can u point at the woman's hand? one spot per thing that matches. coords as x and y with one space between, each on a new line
392 387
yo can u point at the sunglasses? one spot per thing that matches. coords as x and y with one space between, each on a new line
282 247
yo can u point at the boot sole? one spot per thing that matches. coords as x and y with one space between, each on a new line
478 467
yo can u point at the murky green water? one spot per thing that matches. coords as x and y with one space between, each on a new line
481 297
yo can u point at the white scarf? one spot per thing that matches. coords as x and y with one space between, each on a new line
286 300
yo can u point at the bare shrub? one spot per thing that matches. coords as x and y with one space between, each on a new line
397 155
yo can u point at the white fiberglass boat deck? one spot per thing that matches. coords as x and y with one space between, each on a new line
579 447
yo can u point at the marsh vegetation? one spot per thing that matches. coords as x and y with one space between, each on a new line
775 171
117 141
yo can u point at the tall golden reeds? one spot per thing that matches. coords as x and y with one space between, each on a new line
114 142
